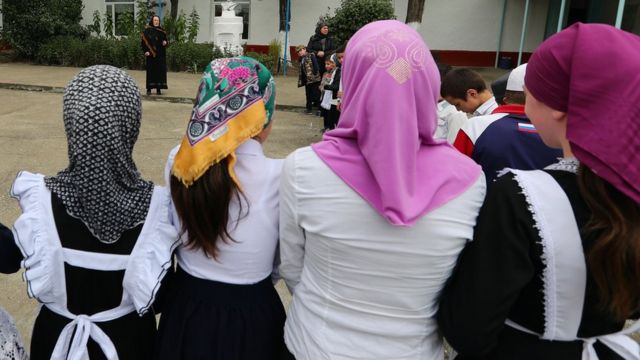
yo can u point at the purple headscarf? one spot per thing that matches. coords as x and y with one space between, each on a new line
383 147
591 72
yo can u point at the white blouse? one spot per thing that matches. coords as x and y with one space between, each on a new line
486 108
363 289
251 257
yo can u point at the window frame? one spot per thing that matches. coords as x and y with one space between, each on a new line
112 4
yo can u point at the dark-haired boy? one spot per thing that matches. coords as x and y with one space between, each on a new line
450 119
467 91
506 138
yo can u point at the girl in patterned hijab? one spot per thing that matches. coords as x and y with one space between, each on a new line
225 192
96 239
102 186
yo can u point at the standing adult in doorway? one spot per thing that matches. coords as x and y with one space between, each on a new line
154 43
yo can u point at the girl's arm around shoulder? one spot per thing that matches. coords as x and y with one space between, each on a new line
491 272
10 255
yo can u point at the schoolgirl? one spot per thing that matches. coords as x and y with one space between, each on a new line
554 267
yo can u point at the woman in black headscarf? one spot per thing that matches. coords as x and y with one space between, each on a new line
154 42
321 44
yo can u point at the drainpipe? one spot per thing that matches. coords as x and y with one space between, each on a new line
524 31
504 11
286 35
620 13
563 5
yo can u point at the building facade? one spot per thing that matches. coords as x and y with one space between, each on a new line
462 32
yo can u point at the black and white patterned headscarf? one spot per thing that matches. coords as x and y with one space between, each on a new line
102 186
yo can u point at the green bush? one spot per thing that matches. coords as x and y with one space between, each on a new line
194 25
70 51
354 14
124 53
275 49
266 59
27 25
191 56
176 28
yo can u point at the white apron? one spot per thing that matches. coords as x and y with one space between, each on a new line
565 275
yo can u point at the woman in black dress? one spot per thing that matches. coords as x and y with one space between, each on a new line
154 43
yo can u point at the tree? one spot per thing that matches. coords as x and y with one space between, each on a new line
415 9
29 24
354 14
174 9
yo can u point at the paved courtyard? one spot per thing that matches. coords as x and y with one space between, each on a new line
33 139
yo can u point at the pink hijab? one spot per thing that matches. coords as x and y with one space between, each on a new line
383 147
592 72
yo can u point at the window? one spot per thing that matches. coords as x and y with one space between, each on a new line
241 10
121 13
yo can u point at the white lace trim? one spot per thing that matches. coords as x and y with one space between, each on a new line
548 259
11 346
565 164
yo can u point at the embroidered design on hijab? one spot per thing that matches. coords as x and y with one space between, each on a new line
590 72
235 102
383 147
102 186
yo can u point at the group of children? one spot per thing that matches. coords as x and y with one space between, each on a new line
385 235
322 89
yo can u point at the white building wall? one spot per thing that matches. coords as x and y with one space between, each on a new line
90 6
264 18
474 25
304 17
470 25
204 9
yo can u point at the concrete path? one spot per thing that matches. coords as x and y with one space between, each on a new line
182 86
33 139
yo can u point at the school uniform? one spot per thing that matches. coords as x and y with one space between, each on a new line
361 287
228 308
450 121
333 115
486 107
521 289
95 239
97 298
505 138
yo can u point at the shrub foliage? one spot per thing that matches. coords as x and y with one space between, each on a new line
354 14
28 24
